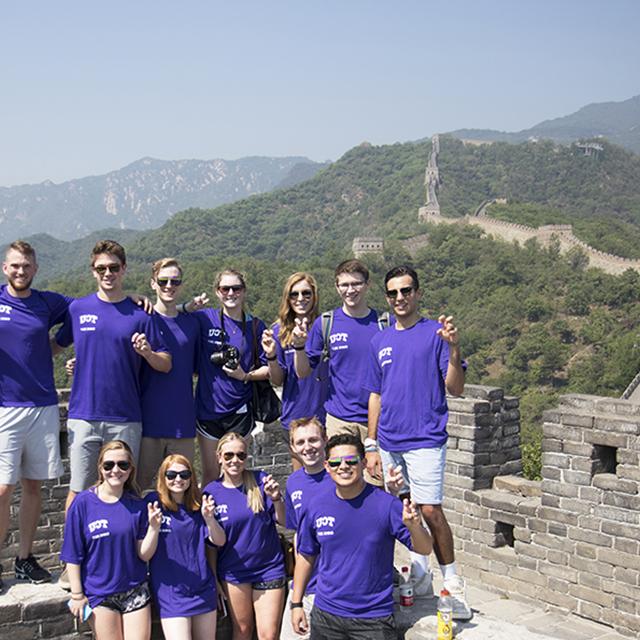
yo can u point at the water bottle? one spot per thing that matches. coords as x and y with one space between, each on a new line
445 616
406 588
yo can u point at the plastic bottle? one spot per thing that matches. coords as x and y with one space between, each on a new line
445 616
406 588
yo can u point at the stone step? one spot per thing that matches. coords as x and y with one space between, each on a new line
518 486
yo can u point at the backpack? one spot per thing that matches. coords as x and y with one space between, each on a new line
327 324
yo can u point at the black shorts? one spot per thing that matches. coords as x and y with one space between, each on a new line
127 601
240 423
278 583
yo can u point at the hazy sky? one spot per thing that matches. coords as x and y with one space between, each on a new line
88 86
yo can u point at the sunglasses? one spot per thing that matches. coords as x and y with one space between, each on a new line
352 460
230 455
172 475
233 287
163 282
393 293
123 465
306 294
101 269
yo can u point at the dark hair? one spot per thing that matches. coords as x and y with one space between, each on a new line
352 266
345 439
111 247
402 270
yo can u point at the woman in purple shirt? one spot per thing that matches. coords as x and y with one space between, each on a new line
250 563
109 536
301 397
182 583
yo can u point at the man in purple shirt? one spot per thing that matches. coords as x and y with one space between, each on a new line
350 534
29 418
112 339
412 366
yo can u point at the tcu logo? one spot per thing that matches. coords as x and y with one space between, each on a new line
98 524
338 337
166 521
384 352
5 308
325 521
215 333
220 508
88 318
296 495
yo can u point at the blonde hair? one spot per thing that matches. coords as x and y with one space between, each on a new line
286 314
192 495
254 496
162 263
118 445
310 421
230 272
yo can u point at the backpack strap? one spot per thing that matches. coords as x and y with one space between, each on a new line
327 324
383 321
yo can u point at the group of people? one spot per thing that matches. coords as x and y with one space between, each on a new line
361 391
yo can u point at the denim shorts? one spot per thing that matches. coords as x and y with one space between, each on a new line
128 601
422 470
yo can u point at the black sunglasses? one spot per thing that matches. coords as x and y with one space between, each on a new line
306 294
352 460
163 282
172 475
103 268
230 455
393 293
108 465
233 287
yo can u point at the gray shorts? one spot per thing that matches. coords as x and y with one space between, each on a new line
154 450
29 443
422 470
86 437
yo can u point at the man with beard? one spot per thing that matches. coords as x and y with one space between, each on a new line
29 418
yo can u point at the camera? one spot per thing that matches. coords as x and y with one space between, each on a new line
228 356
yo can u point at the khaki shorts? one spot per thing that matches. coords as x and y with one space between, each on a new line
29 443
336 426
86 438
154 450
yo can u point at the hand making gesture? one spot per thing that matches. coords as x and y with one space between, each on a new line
448 332
300 332
154 515
268 343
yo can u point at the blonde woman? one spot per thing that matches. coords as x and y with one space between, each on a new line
106 545
250 563
301 397
182 583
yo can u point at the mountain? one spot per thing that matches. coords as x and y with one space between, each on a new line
618 122
142 195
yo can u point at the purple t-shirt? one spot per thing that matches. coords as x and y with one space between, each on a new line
407 368
181 580
354 541
348 359
26 368
168 409
217 394
102 538
252 552
301 397
302 490
106 379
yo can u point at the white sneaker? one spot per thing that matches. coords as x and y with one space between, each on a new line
423 585
457 588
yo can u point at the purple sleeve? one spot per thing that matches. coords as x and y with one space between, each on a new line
291 520
260 327
373 375
58 305
279 350
315 343
307 541
443 359
73 548
143 521
398 529
154 334
64 336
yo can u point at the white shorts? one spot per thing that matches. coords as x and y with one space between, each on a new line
29 443
422 470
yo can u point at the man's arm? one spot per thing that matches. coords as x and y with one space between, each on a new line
301 577
420 538
454 380
374 463
158 360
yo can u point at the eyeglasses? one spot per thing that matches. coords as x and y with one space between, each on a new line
163 282
101 269
108 465
306 294
351 460
233 287
172 475
393 293
230 455
344 286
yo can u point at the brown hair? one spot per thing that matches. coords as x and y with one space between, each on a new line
108 246
286 315
162 264
118 445
23 247
352 266
230 272
306 422
254 497
192 495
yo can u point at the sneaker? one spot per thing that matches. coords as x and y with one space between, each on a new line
63 580
423 585
29 569
457 588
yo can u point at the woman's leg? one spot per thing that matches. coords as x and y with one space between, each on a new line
107 624
178 628
210 468
203 626
268 605
240 601
137 624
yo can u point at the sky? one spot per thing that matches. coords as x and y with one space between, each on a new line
87 87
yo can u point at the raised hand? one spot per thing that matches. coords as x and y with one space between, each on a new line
142 301
300 332
70 366
410 515
268 343
154 514
448 332
141 344
198 302
208 509
272 488
394 480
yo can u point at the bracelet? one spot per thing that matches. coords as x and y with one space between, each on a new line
296 605
371 449
272 358
298 348
184 307
82 597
